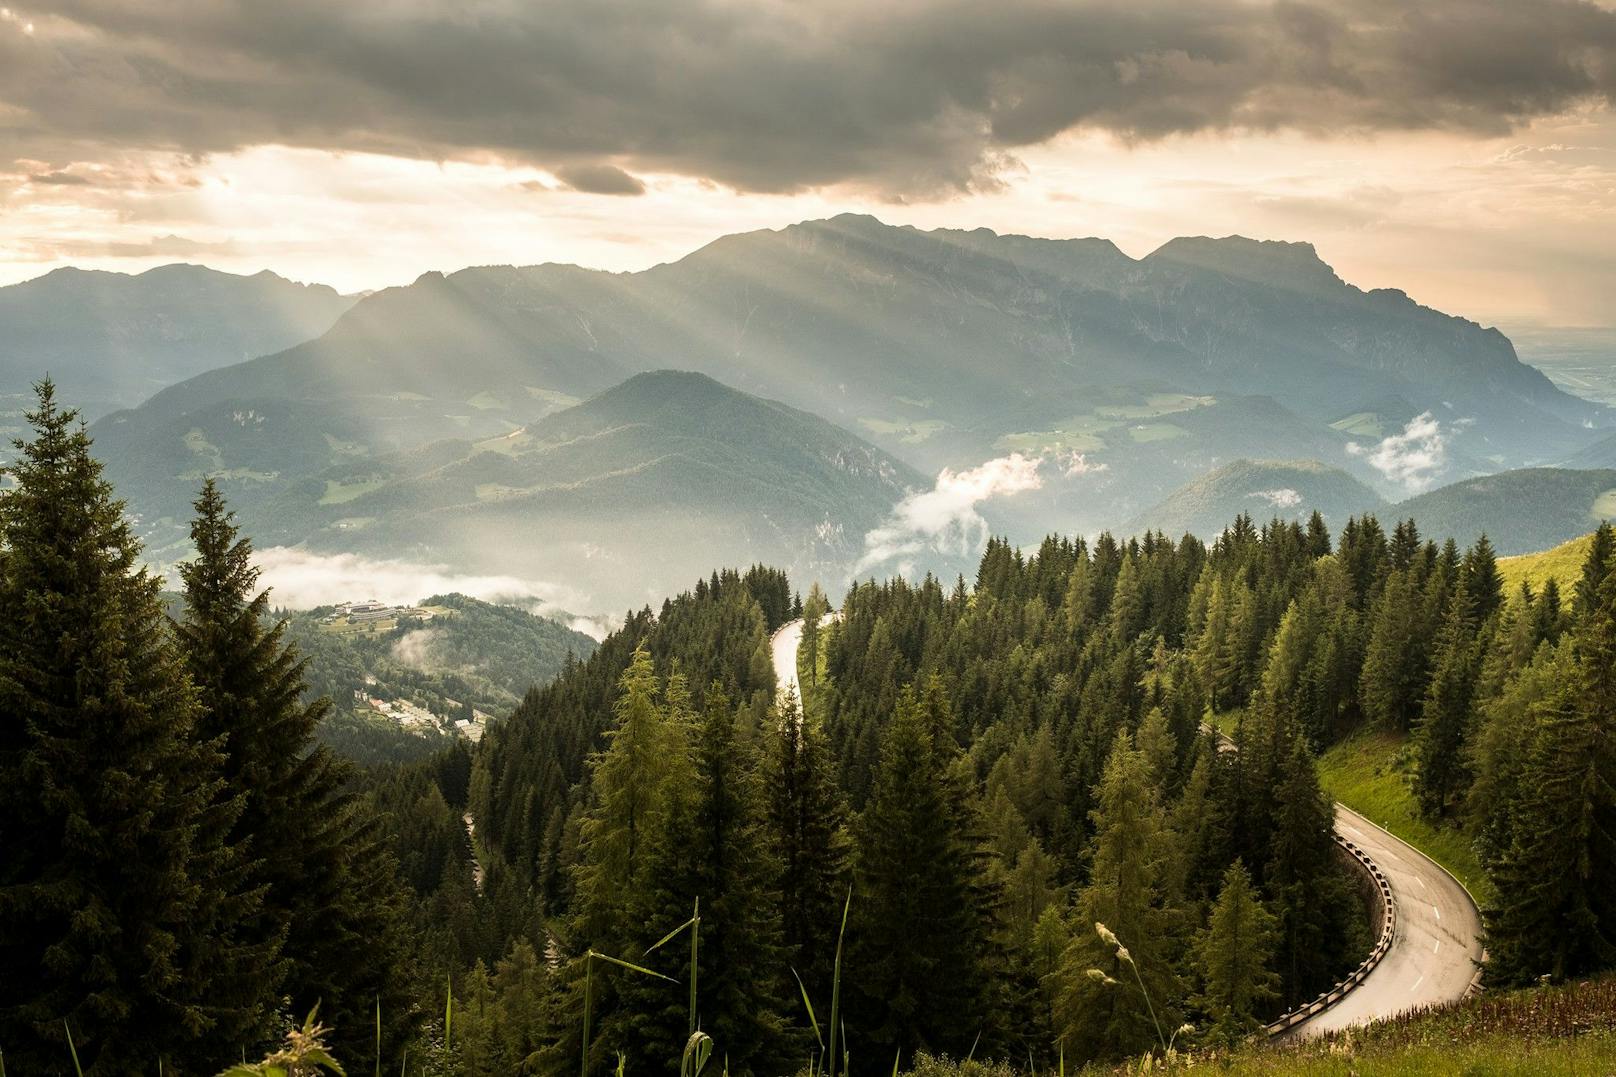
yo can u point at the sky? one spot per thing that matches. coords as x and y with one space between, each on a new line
1461 150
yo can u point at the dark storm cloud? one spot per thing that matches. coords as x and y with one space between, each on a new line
599 179
912 97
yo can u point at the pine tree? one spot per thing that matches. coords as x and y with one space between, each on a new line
807 821
1483 584
712 846
813 613
1393 679
1439 739
332 900
117 897
1232 956
1129 997
1303 879
916 960
642 786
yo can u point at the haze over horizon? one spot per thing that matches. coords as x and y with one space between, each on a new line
1462 151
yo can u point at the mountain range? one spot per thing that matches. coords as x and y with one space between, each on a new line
448 405
110 340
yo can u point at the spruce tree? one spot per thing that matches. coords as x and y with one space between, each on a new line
1439 738
1232 958
117 899
1393 679
1116 1002
807 823
712 846
916 965
333 904
1307 890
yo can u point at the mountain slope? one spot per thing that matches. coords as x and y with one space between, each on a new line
1263 489
112 339
651 482
1520 511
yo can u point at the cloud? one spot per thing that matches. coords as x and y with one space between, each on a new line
415 648
917 99
58 179
1412 458
945 518
1280 499
1075 464
299 579
599 179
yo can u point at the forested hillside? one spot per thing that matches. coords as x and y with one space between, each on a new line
997 824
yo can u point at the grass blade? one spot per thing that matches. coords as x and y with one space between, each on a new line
78 1069
643 971
836 984
448 1011
813 1021
664 940
974 1042
378 1037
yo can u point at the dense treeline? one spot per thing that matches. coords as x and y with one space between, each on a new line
982 774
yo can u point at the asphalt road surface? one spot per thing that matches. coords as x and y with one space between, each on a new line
1436 945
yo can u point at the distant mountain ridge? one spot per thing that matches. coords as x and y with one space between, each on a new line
110 340
944 348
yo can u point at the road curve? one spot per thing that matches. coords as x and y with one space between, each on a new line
1435 951
1436 946
784 643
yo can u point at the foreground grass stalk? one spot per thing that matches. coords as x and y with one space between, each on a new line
836 987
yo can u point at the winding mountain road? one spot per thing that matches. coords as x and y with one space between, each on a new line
1436 948
1435 951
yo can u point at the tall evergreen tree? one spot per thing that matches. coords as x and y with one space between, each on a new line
1439 738
1120 1006
116 894
916 963
332 900
1307 891
807 822
1393 678
1232 957
712 846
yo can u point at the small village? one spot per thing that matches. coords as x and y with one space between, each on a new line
373 615
414 718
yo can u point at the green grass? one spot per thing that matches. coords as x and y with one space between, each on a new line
1564 563
1363 423
1147 432
1569 1029
1369 773
910 433
337 493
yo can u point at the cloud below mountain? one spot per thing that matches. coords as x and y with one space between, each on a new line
1411 458
299 579
945 519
